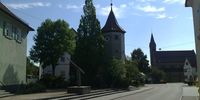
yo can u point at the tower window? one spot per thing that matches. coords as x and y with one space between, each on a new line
116 51
116 37
107 38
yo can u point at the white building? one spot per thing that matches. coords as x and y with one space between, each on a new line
62 68
189 71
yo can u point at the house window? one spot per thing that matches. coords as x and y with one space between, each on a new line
18 35
14 32
1 27
62 59
7 30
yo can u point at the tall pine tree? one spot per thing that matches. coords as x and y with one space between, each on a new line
90 46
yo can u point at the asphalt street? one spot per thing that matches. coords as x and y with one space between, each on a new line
170 91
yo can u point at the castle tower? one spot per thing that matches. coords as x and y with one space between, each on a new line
114 37
152 46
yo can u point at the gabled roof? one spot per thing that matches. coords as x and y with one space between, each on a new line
9 13
188 3
112 24
176 57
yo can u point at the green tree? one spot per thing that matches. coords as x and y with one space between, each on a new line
31 69
90 45
51 41
132 70
158 75
117 74
138 56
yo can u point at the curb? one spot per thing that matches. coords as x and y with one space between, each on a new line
181 93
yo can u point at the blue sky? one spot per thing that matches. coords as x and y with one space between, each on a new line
169 21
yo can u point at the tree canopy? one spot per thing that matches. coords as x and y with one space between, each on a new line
53 38
138 56
90 44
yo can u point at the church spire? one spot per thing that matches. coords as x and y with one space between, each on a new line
112 24
152 38
111 4
152 43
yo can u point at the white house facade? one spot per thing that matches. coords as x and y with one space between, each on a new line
189 71
62 68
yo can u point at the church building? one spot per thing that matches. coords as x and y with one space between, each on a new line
114 37
171 62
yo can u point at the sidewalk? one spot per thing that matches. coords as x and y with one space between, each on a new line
190 93
119 95
65 94
35 96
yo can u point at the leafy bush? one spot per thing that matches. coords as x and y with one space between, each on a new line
117 74
122 74
158 75
32 88
53 82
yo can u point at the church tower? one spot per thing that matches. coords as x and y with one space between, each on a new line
114 37
152 46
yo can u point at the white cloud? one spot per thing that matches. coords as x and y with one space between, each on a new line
119 11
150 9
172 17
72 7
174 1
28 5
161 16
146 0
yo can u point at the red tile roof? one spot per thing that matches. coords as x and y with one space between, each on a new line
112 24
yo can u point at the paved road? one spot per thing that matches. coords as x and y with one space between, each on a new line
170 91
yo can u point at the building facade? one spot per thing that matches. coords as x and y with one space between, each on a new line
13 46
195 4
62 68
190 73
171 62
114 37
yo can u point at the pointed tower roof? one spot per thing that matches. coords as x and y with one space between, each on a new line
112 24
152 39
